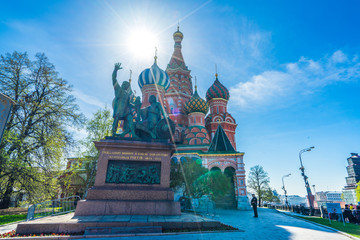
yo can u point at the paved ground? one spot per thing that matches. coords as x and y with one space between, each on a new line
7 228
269 225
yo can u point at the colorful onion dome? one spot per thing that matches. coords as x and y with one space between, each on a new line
217 90
154 75
178 34
196 104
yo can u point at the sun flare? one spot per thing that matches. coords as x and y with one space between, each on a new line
141 43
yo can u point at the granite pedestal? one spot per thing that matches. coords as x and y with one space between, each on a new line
132 178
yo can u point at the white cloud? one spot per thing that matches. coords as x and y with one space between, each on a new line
302 77
88 99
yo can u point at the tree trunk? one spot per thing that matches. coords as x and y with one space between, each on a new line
7 195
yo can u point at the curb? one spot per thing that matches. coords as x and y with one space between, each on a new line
119 235
320 225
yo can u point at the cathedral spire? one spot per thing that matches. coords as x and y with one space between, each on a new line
177 59
195 85
155 57
216 74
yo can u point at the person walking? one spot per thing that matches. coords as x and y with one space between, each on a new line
348 214
254 205
356 213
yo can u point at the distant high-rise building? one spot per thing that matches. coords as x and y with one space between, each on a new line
353 178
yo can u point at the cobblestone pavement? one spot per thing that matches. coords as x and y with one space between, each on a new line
270 225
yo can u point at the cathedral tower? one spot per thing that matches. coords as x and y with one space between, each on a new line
180 89
196 133
217 97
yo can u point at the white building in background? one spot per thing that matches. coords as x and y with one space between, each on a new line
293 200
321 198
334 196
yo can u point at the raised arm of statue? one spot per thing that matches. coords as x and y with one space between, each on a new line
115 82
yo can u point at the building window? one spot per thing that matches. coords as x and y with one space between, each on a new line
217 110
241 182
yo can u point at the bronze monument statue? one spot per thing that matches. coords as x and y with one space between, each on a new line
148 123
123 105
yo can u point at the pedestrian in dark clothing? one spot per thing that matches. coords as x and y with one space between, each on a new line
348 214
356 213
254 205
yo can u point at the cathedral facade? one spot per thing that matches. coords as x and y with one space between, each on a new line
204 129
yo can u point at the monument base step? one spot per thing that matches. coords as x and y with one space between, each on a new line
122 230
116 207
69 223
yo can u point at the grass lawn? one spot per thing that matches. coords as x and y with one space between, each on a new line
4 219
349 228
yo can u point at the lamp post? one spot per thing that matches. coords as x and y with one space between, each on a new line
286 201
307 186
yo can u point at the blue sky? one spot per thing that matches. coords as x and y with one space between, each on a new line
292 68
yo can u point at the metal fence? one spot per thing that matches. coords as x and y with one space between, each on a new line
52 207
301 210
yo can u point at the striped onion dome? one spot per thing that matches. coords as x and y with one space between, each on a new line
178 34
217 90
196 104
154 75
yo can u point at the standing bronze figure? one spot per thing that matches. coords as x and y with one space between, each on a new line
123 104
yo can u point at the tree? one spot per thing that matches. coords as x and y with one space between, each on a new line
38 133
357 191
97 128
270 195
258 180
213 183
197 180
184 174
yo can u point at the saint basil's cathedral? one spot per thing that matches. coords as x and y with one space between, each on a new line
204 129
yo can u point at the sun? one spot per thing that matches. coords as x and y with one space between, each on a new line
141 43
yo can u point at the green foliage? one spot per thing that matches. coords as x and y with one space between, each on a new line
269 196
258 180
83 171
184 174
5 219
357 190
349 228
97 128
213 183
37 134
197 180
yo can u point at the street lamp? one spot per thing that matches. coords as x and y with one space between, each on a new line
286 201
307 186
